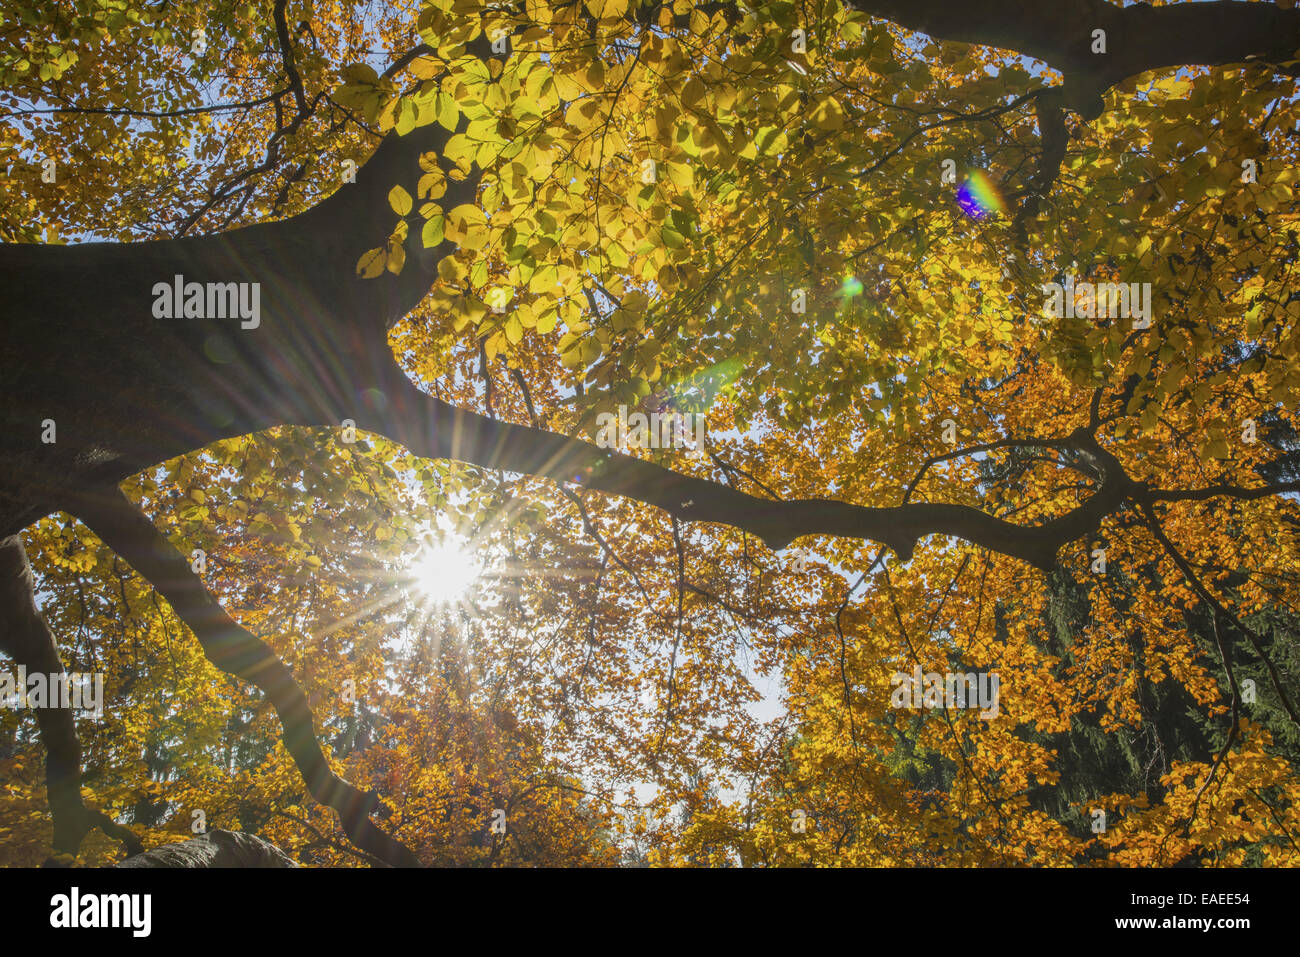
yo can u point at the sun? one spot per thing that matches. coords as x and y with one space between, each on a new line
443 571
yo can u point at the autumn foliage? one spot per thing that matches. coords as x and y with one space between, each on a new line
657 185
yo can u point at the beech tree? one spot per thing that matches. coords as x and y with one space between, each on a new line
459 234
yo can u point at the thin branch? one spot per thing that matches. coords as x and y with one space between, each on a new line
286 54
152 114
1219 611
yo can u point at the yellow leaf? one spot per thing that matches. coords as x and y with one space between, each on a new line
432 184
828 114
606 8
692 92
371 263
452 270
425 68
467 226
396 257
400 200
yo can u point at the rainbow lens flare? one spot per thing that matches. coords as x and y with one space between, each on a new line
978 197
850 287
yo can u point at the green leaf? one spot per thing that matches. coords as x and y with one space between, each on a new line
448 114
432 233
406 117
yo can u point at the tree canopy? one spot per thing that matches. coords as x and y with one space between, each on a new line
987 309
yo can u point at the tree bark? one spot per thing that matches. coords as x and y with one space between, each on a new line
1139 38
216 848
26 638
234 650
79 344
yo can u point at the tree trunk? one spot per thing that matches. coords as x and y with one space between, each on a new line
214 849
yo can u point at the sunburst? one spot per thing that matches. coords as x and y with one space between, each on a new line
444 571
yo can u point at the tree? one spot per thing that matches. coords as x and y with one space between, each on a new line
828 228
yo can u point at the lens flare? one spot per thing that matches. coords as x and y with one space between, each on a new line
443 572
978 197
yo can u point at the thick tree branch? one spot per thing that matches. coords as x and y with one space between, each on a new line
430 427
1214 491
26 638
91 356
1138 37
321 326
126 530
1055 138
